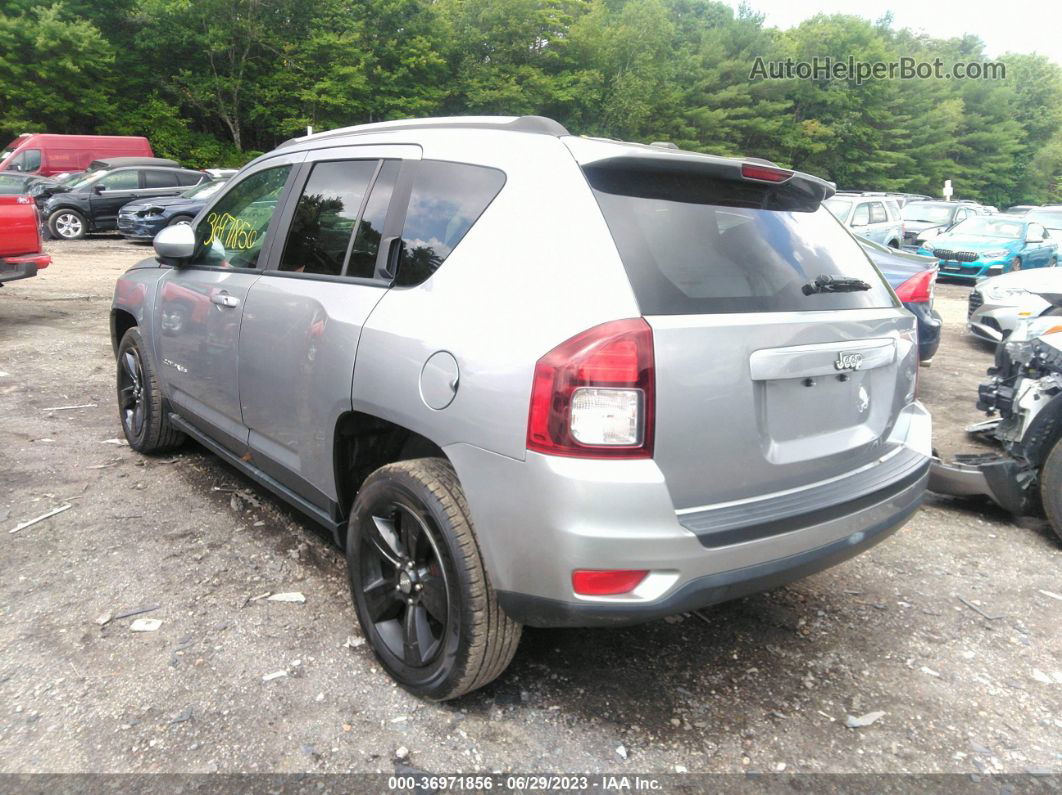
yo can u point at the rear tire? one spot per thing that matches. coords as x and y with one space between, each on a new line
1052 262
1051 488
67 225
422 595
141 409
894 244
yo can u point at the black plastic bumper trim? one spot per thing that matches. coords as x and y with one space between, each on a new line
724 538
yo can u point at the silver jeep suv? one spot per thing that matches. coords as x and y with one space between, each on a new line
531 378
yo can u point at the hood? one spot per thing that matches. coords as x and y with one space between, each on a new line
922 226
162 201
1037 280
970 242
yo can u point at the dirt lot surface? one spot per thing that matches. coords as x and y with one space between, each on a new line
762 684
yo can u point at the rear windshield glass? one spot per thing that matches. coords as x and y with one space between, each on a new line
932 213
690 247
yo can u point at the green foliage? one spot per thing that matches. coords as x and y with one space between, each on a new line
212 81
55 71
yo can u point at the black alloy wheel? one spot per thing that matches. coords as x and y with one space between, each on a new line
404 584
131 393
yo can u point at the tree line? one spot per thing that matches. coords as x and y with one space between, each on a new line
213 82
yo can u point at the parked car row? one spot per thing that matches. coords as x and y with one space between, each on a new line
81 182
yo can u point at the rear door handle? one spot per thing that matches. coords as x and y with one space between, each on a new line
224 299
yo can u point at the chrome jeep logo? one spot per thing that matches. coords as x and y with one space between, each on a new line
848 361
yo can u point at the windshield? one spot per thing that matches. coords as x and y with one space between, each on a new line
84 178
204 191
839 207
991 227
931 213
1052 220
8 151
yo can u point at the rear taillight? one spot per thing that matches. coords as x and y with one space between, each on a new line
764 173
593 396
919 288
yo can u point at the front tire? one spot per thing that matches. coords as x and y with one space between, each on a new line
179 219
422 595
1016 265
1051 488
67 225
140 407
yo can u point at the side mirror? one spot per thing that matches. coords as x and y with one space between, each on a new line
175 243
98 188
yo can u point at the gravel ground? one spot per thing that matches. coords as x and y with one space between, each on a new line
762 684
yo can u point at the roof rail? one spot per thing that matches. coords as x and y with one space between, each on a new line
526 124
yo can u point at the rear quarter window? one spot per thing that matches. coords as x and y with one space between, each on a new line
445 201
697 245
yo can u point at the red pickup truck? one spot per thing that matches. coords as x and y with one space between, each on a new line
20 239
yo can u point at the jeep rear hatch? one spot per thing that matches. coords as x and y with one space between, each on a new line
782 359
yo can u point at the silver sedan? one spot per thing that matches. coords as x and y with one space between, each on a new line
998 304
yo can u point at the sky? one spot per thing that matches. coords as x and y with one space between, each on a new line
1008 26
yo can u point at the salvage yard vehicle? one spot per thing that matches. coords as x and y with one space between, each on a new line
1025 394
999 304
913 277
874 217
47 154
501 363
924 220
992 245
141 220
13 183
20 239
90 202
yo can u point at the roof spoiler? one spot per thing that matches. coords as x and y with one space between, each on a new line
754 183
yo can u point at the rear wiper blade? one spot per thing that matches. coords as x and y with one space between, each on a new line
828 284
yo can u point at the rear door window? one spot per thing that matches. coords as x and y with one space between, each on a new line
367 241
320 233
877 213
446 200
160 179
189 177
691 246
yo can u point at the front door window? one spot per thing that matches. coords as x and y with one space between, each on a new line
233 232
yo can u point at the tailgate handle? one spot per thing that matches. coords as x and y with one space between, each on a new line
804 361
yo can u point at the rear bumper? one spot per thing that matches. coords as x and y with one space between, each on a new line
14 268
723 586
539 519
997 477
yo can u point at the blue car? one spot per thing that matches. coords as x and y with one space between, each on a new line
141 220
913 278
990 245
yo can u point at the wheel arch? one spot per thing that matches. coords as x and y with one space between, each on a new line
121 322
363 443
